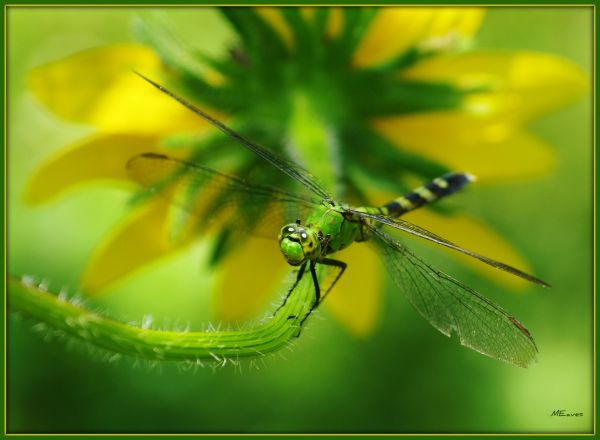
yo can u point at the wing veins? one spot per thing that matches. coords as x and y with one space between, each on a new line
242 185
497 333
291 169
403 225
157 172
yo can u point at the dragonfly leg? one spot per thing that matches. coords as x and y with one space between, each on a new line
298 278
337 263
313 273
318 299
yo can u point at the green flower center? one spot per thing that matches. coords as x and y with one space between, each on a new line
306 98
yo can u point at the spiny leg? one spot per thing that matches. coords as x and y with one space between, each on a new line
318 298
298 278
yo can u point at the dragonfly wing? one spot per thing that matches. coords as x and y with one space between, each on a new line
213 197
452 307
290 168
413 229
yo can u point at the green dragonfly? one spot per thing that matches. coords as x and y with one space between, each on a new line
315 226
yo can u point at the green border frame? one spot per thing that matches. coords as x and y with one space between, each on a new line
19 3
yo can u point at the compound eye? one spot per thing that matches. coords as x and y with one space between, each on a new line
288 230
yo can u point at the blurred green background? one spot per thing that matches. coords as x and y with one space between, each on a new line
405 378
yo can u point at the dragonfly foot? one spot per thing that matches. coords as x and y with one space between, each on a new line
292 317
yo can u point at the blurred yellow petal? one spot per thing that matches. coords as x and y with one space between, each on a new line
273 16
334 19
248 279
110 96
396 29
523 85
474 235
334 22
96 157
491 150
357 298
523 156
143 237
392 31
463 21
132 105
70 87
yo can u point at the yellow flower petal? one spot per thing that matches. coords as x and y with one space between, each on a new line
96 157
462 21
357 298
396 29
248 278
474 235
334 22
71 86
460 141
98 87
523 85
132 105
495 162
334 19
272 16
143 237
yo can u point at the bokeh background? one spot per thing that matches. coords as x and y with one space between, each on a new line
405 378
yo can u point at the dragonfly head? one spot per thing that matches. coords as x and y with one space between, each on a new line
298 244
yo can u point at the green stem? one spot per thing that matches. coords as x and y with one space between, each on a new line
160 345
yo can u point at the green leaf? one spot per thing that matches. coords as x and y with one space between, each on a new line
301 32
258 38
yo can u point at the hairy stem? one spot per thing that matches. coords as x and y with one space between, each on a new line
151 344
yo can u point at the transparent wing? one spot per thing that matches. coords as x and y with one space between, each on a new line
217 198
405 226
292 169
452 307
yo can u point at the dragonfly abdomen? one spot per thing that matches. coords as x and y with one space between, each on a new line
436 189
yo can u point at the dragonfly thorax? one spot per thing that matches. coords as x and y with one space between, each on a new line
298 244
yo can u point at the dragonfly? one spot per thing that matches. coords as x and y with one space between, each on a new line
312 226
